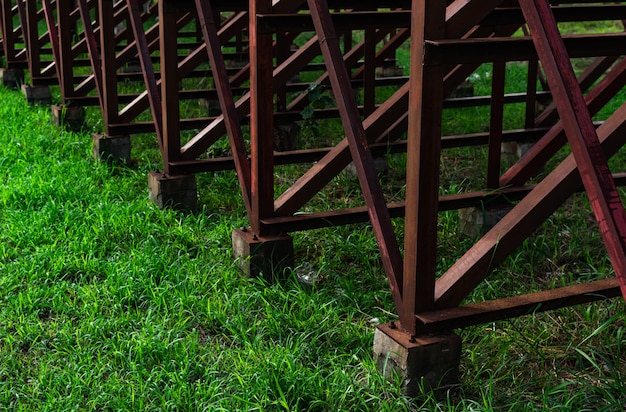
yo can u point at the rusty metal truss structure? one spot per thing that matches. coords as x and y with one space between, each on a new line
241 57
13 50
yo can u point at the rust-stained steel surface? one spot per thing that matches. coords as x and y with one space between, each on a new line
12 33
241 58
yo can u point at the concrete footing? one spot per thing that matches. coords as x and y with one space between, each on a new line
286 137
37 94
425 363
71 117
212 106
12 78
465 89
475 221
112 149
270 257
131 67
237 62
176 192
381 164
389 71
515 148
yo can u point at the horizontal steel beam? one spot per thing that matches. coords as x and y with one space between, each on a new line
273 23
516 306
477 51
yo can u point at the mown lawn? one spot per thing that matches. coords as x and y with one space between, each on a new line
108 303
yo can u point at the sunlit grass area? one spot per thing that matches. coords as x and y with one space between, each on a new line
109 303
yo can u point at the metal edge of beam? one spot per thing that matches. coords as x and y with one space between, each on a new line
517 306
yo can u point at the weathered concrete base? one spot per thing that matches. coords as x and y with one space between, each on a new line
119 28
12 78
212 106
286 137
270 257
476 221
381 164
237 62
389 71
112 149
176 192
515 148
424 363
71 117
465 89
522 148
37 94
131 67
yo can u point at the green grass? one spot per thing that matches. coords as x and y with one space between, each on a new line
108 303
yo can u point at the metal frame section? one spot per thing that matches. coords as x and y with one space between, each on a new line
69 46
39 53
1 31
232 93
117 26
162 59
444 294
13 45
84 43
244 53
448 42
66 50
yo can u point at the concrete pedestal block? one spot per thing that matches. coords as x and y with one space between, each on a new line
286 137
119 28
389 71
212 106
112 149
131 67
37 94
176 192
475 221
381 164
522 148
465 89
12 78
270 257
237 63
516 148
71 117
424 363
508 148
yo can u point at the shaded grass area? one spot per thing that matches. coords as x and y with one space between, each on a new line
107 303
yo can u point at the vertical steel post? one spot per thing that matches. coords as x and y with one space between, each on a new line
30 29
362 158
423 151
531 93
8 33
580 131
168 41
261 118
495 127
92 45
66 57
1 29
369 72
283 50
110 109
147 70
227 104
48 10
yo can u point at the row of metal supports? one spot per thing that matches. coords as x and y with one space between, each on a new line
248 54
